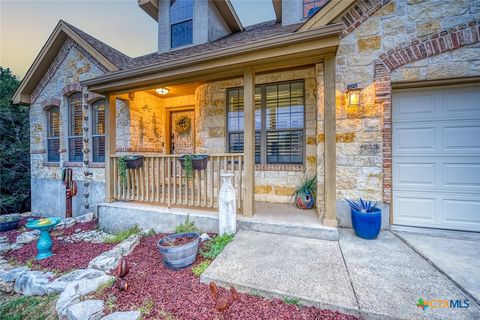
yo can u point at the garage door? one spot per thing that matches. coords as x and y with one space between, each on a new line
436 157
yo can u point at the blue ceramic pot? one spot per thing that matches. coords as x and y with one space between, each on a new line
367 224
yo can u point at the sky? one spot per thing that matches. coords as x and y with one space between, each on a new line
25 25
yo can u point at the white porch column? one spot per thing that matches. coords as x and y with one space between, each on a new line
110 145
249 141
330 218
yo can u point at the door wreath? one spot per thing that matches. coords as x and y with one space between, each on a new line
183 125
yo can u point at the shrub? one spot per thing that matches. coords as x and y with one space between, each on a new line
187 226
213 247
200 268
119 237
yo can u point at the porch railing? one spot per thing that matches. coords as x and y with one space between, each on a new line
162 180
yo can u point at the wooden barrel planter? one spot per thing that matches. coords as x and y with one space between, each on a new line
181 255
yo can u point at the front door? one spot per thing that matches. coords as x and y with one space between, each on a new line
182 131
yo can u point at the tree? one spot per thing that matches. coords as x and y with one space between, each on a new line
14 148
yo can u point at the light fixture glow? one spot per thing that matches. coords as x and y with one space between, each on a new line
353 95
162 91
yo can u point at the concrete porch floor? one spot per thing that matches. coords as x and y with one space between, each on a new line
269 217
381 279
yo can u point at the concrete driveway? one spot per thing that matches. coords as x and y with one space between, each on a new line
381 279
456 254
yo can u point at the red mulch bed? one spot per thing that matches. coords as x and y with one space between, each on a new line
67 256
181 294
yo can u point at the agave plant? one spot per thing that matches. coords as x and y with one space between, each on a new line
305 194
363 205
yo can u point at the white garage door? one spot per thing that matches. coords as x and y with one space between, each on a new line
436 157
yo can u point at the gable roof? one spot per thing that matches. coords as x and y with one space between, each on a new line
327 14
223 6
107 56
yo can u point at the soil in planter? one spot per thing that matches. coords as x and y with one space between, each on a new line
179 241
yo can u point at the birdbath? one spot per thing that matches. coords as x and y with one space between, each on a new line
44 242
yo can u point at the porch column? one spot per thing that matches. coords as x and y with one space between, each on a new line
249 141
330 218
110 145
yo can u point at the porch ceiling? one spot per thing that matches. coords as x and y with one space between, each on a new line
293 50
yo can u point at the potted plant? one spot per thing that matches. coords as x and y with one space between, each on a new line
304 195
190 162
366 218
9 221
179 250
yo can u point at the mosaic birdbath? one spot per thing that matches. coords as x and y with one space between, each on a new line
44 243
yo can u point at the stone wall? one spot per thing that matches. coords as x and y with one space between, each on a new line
72 65
363 139
273 183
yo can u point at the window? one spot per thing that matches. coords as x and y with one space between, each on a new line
279 122
75 143
53 134
310 7
181 22
98 131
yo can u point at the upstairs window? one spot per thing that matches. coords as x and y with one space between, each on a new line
279 122
181 22
53 134
75 139
98 131
310 7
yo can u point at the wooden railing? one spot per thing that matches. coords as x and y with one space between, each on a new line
162 180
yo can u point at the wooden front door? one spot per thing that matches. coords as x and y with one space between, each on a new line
182 132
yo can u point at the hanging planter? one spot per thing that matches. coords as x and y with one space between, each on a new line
190 162
134 161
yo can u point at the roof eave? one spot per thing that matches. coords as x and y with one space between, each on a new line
329 13
289 40
150 7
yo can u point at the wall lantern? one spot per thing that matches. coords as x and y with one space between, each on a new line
162 91
353 95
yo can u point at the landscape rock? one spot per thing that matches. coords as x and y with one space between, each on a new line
3 239
85 218
108 260
33 283
86 310
126 315
8 278
75 290
204 237
4 247
59 284
27 237
65 223
129 244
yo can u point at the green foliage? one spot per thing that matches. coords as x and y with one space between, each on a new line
289 300
308 186
146 307
29 308
104 287
214 246
187 165
14 148
199 268
119 237
122 171
187 226
111 303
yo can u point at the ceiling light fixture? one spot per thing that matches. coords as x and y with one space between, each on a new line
162 91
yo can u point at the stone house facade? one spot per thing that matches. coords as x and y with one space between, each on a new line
384 51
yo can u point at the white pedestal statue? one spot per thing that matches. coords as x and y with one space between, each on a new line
227 206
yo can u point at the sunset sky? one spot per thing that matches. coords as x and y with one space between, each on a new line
26 25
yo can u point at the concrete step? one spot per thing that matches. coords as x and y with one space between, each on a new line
279 219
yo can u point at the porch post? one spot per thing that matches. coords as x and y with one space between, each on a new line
110 145
249 141
330 218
